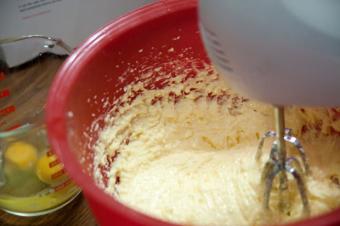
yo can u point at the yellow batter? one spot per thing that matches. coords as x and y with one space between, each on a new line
186 153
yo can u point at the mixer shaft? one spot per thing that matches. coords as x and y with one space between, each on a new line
281 148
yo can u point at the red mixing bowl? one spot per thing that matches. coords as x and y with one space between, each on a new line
91 73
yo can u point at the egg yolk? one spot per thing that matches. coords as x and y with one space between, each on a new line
49 170
21 154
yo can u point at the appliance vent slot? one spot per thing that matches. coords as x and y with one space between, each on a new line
215 46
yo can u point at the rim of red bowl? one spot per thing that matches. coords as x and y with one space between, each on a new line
62 85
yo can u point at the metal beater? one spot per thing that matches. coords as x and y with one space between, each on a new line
279 164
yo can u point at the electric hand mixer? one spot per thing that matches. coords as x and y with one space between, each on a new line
284 52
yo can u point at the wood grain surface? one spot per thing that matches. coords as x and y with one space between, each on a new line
27 86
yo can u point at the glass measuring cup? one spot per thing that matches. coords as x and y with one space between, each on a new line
32 180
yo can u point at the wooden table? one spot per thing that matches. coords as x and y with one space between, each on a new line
77 213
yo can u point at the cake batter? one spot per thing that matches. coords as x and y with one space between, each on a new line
185 153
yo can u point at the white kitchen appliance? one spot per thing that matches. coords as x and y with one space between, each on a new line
283 52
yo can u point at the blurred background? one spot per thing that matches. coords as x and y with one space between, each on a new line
70 20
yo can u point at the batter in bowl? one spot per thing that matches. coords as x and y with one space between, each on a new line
185 152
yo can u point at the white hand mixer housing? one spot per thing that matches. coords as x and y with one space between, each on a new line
284 52
281 52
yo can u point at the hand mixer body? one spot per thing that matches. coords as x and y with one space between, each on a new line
284 52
